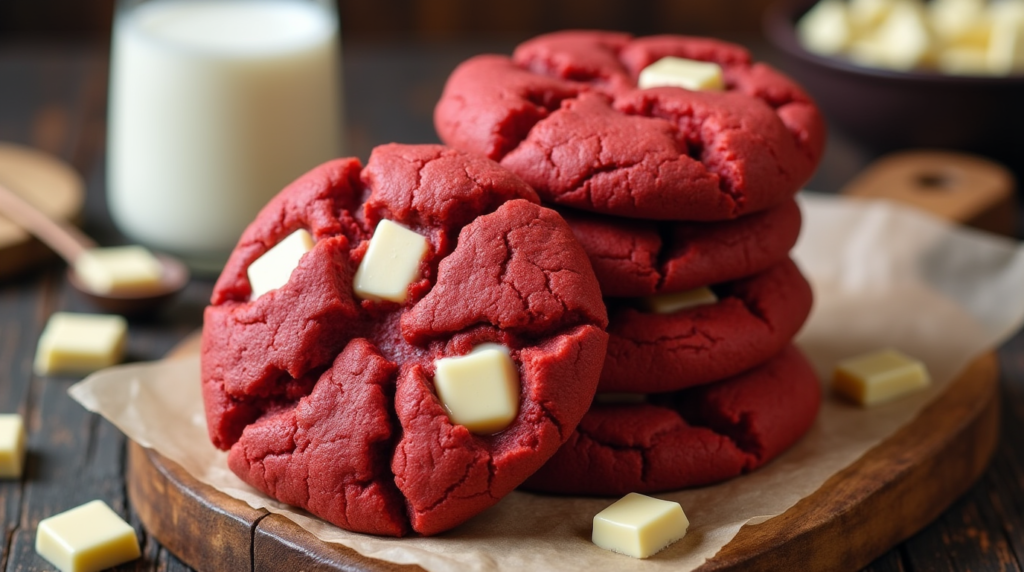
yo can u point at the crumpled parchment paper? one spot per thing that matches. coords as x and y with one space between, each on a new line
883 275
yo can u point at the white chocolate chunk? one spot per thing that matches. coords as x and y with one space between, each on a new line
391 263
957 37
825 29
119 269
80 343
1006 46
89 538
866 14
671 303
901 42
12 446
960 23
639 526
275 267
680 72
878 377
963 61
868 52
480 390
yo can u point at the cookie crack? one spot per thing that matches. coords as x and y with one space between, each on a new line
689 126
737 432
755 310
449 491
641 450
503 277
546 411
667 251
519 128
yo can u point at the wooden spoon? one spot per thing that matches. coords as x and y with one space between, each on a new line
70 244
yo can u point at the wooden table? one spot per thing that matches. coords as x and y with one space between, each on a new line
54 98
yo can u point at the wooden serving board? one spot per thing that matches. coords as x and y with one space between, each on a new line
50 185
885 497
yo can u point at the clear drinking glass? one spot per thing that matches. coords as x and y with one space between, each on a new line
215 105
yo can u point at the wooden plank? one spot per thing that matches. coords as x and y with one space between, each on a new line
857 515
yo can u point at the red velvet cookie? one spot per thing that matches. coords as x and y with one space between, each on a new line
753 320
694 437
641 258
564 113
327 401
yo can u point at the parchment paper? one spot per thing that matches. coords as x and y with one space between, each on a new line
883 275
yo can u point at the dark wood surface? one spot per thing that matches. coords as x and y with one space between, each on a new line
52 97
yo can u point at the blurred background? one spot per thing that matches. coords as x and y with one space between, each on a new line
397 54
390 90
374 21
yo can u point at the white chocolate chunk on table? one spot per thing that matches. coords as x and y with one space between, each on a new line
12 446
88 538
80 343
639 526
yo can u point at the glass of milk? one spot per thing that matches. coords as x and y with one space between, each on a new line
215 105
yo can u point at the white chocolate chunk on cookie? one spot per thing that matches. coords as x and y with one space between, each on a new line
676 301
391 263
480 390
680 72
275 267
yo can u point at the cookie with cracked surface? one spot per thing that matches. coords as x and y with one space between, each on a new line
694 437
326 401
752 320
564 112
642 258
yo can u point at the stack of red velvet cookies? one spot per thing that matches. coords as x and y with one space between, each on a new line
356 293
683 201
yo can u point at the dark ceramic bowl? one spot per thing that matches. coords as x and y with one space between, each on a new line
885 110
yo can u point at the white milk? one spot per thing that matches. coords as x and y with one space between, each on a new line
215 105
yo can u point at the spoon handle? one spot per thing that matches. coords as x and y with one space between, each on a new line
66 240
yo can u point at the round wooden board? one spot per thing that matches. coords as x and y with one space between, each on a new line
49 184
885 497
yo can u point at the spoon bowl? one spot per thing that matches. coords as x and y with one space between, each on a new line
70 244
174 277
